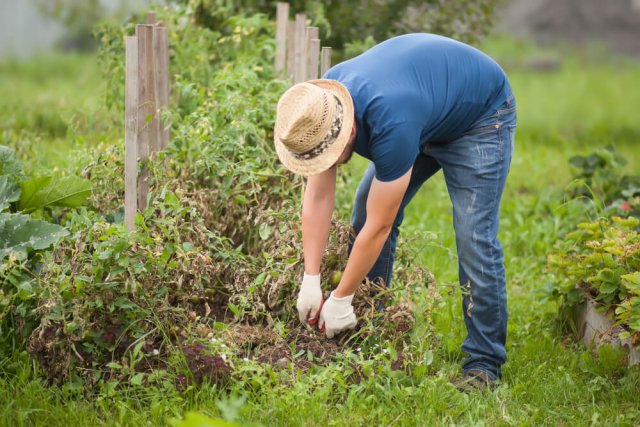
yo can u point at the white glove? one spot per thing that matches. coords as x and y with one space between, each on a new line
309 299
337 315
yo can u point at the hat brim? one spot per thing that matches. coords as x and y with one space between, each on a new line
330 156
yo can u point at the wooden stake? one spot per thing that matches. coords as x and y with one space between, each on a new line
299 45
161 56
312 53
314 58
282 19
325 63
151 18
147 125
291 37
130 131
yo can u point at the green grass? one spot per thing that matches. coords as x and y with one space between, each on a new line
548 380
51 107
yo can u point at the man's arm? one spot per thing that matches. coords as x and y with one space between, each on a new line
383 203
317 208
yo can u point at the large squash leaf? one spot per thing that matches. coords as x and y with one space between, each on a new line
68 191
9 165
19 232
9 191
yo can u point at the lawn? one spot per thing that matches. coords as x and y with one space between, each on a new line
589 101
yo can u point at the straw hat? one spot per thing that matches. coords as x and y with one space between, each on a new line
313 125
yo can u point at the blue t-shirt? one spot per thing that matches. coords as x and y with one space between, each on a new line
414 89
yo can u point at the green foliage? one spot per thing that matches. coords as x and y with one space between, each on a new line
9 191
628 311
23 238
602 259
125 303
343 22
600 175
9 164
195 419
20 233
47 191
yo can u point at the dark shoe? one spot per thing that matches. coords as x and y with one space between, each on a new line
475 380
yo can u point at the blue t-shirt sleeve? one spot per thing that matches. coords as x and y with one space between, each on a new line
394 150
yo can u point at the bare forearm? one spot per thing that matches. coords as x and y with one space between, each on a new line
316 224
365 252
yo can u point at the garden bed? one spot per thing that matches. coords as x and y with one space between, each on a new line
596 329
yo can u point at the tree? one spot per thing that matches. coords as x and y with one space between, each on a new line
343 22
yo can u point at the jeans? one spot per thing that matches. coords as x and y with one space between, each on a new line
475 168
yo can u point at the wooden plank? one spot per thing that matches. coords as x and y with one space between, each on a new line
299 57
161 56
325 62
282 19
314 59
130 131
147 123
312 56
151 18
291 26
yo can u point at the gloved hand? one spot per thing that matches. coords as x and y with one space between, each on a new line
309 299
337 315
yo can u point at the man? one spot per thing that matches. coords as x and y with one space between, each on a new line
412 105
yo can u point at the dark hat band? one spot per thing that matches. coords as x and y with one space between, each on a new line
329 139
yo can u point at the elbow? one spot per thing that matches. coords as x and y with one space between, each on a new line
385 230
381 230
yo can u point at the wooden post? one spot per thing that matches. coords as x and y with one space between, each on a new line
282 19
151 18
130 131
161 56
312 53
325 63
147 125
314 59
291 38
299 45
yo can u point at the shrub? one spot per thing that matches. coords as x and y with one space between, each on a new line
601 259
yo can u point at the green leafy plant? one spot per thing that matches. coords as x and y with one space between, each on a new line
601 259
20 196
23 237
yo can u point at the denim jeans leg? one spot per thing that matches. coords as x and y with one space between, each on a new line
475 168
423 168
